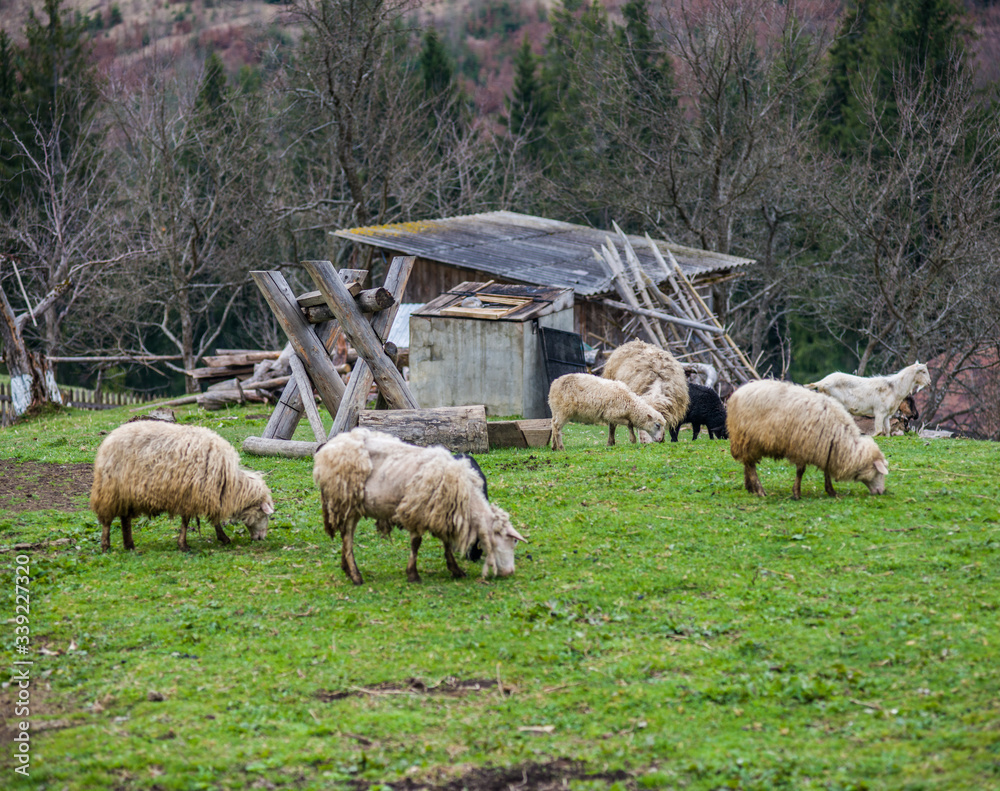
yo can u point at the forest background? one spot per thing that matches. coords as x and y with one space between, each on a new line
151 153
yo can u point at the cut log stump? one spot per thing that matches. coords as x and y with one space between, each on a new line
459 428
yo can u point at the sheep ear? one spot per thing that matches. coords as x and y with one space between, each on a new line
266 507
881 466
510 531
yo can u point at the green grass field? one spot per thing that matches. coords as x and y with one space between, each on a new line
664 629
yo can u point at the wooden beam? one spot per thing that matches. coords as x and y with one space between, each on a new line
459 428
361 377
289 448
302 336
306 391
361 335
371 300
288 411
659 314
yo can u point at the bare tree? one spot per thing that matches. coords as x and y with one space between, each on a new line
920 215
719 159
196 175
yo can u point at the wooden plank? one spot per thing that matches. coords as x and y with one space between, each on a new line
505 434
362 377
354 279
361 335
519 433
537 433
289 448
220 372
286 414
371 300
461 429
302 336
306 391
243 358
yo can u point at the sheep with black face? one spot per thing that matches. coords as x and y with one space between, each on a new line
423 490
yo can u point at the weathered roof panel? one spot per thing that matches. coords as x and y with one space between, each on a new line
530 249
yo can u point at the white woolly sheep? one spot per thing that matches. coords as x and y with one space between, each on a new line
877 397
151 467
423 490
583 398
653 374
781 420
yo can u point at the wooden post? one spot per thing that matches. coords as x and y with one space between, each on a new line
304 340
306 392
289 448
361 335
361 377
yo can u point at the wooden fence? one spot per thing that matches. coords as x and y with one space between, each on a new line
76 397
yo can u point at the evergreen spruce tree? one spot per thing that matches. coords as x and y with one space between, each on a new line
526 106
436 70
55 98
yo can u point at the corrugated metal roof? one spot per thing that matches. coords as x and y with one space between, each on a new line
530 249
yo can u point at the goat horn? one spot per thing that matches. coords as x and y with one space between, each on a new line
510 531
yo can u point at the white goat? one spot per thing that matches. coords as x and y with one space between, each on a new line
877 397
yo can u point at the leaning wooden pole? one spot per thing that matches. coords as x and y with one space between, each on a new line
362 377
361 335
302 336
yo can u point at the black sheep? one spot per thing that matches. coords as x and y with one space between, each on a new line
705 409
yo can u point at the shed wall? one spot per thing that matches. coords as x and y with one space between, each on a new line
455 361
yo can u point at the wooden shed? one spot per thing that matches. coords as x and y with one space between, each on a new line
507 247
478 343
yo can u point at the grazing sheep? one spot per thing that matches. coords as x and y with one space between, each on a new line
784 421
705 409
384 527
583 398
153 467
655 375
877 397
424 490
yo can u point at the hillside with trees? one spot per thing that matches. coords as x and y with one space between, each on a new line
850 149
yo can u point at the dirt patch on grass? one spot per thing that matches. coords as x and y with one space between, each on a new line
35 486
528 777
450 686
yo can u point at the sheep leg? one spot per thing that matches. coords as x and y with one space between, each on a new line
828 484
127 532
220 533
182 538
557 441
696 429
751 481
347 552
453 567
797 486
881 423
105 535
631 434
674 431
611 433
411 566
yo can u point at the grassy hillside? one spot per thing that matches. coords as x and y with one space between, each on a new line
664 629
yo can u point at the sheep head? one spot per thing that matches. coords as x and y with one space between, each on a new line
503 537
873 474
255 516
